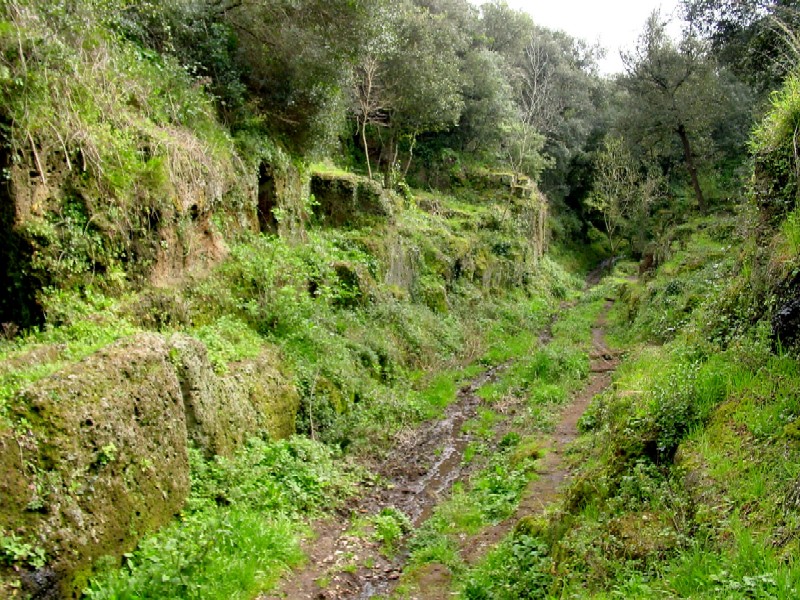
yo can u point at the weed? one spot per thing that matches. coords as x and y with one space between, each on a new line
15 552
519 568
483 425
239 531
390 526
220 554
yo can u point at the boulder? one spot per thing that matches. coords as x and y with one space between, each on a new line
223 411
347 199
97 457
97 454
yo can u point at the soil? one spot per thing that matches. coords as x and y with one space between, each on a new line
418 473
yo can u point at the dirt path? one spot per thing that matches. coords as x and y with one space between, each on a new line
553 471
419 471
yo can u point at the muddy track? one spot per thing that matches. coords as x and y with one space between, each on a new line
552 469
418 473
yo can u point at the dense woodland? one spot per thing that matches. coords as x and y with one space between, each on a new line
252 247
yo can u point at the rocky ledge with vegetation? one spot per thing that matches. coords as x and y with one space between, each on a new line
295 303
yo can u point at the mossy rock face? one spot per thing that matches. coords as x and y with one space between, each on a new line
98 453
281 194
786 318
259 397
68 231
644 536
102 448
346 199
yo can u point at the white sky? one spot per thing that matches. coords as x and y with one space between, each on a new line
614 23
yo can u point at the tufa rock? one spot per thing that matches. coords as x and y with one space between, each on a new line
102 448
222 412
346 199
98 453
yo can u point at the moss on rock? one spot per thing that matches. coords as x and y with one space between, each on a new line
346 199
101 446
98 454
222 412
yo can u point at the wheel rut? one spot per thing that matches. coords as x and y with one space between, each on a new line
417 474
553 470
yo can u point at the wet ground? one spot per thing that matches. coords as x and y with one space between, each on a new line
417 475
419 472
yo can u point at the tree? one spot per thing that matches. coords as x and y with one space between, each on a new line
671 89
556 89
755 39
296 59
615 189
505 30
489 104
371 100
411 85
624 192
370 107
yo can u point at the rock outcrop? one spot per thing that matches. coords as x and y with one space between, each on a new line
98 452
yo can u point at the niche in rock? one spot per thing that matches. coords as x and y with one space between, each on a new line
267 200
18 305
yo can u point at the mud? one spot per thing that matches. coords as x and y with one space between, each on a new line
417 475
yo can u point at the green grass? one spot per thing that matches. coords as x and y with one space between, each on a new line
233 553
240 530
483 425
88 322
687 475
518 568
440 391
228 340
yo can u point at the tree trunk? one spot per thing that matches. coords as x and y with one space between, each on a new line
687 155
410 155
366 146
389 154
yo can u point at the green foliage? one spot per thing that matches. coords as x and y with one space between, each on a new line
226 554
519 568
750 38
16 552
239 530
790 228
773 144
390 526
229 340
295 476
667 113
623 196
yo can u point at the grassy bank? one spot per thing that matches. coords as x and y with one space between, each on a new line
687 471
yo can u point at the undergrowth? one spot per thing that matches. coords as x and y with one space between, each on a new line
687 472
241 526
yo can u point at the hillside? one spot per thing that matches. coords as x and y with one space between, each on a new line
356 299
